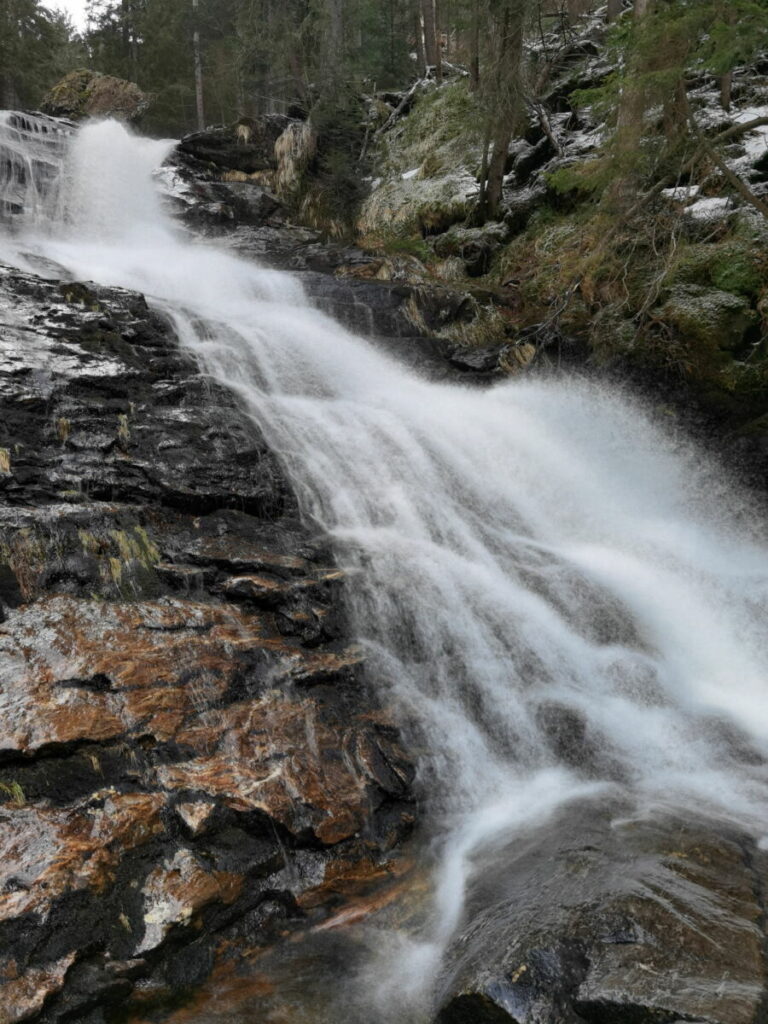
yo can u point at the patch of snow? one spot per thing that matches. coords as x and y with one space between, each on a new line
755 143
583 141
410 174
682 192
714 208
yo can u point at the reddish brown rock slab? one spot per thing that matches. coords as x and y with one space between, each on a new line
177 891
47 852
196 815
304 974
83 670
266 590
278 756
23 997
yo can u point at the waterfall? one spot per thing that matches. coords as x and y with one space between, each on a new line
562 599
32 149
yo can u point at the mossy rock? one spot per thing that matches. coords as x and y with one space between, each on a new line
85 93
474 246
733 265
716 320
440 133
417 207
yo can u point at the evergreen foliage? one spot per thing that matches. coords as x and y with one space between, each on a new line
37 47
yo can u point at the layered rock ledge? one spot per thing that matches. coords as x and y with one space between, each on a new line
187 747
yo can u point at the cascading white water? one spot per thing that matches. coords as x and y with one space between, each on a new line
537 548
32 149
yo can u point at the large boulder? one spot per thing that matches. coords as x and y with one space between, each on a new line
413 205
247 146
709 316
86 93
599 918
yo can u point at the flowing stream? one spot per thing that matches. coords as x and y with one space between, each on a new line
537 552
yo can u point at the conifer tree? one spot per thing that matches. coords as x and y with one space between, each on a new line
37 47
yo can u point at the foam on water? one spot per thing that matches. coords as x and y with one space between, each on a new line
540 546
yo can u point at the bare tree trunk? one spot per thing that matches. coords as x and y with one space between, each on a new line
726 90
474 48
726 82
198 68
438 41
336 29
497 166
421 52
508 100
134 42
631 119
9 95
430 32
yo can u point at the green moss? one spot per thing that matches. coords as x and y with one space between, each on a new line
438 146
396 246
13 793
136 545
150 553
415 208
63 429
733 265
440 133
715 320
72 93
123 428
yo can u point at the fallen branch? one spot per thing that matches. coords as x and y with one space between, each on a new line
401 107
738 183
546 126
705 146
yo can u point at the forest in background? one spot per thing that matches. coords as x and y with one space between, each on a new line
214 61
260 56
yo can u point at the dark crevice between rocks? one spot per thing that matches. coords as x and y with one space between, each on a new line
475 1009
756 862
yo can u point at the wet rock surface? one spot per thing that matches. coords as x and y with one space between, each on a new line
247 146
598 918
192 769
187 745
221 185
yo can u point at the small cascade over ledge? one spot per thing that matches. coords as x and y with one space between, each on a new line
32 151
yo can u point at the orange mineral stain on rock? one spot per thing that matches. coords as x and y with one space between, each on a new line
175 893
74 669
23 997
277 756
45 852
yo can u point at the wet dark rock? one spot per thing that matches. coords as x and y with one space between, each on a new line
247 146
530 158
482 360
595 918
521 203
197 194
474 246
170 634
